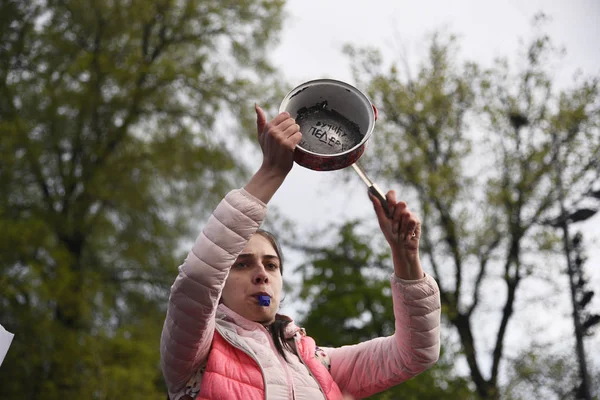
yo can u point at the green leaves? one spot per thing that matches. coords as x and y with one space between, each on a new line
109 156
346 285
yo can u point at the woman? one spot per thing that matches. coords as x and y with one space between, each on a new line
223 338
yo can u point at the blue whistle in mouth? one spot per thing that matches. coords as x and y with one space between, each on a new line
264 300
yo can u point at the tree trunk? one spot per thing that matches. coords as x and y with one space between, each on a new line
485 388
583 391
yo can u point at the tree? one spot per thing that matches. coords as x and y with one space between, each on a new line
107 157
539 374
476 148
348 289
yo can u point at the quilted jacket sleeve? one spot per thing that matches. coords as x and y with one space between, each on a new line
190 321
376 365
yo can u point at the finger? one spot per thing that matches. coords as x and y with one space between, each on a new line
280 118
391 197
261 119
411 227
398 216
285 124
409 224
295 139
291 130
417 230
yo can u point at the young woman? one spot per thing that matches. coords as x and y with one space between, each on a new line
223 338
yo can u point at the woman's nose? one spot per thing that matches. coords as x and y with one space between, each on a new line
260 276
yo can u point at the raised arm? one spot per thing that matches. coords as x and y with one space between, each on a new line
376 365
373 366
190 322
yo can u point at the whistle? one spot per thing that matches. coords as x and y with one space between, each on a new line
264 300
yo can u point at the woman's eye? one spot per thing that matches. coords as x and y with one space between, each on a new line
272 266
240 265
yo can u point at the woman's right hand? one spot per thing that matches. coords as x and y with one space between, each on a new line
278 139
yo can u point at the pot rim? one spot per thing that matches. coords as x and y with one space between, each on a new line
353 90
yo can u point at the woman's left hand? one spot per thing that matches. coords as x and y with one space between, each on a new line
402 231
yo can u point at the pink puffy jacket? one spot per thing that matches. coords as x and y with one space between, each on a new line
233 374
194 315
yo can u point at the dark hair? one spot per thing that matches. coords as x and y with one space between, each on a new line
277 328
277 331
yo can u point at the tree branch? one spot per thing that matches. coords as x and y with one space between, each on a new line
463 325
428 249
452 240
511 282
484 258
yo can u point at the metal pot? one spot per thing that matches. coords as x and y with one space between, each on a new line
336 120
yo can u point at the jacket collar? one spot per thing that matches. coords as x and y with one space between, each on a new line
224 313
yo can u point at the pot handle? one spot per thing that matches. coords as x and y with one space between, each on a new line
376 111
373 188
377 192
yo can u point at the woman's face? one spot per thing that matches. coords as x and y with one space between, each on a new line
255 272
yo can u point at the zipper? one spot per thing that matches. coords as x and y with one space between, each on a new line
225 336
284 365
308 369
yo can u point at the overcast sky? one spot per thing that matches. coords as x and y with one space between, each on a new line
316 30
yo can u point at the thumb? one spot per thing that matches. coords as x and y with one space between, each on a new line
261 119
